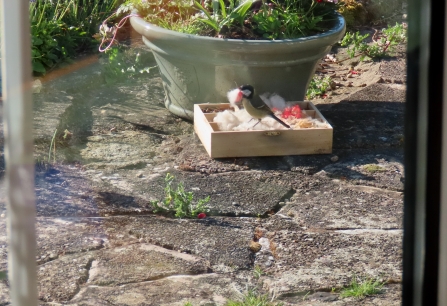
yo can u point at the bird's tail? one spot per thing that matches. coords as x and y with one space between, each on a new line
280 121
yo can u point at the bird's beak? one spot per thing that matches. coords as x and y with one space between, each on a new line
239 96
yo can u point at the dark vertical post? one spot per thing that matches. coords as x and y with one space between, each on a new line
424 153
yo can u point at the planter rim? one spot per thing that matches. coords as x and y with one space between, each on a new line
144 26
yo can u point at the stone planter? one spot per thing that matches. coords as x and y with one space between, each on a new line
198 69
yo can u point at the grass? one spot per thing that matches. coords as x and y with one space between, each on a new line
257 272
362 289
373 168
253 299
250 299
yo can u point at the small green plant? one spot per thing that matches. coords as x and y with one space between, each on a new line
318 86
383 44
306 295
253 299
257 272
373 168
362 289
188 304
179 201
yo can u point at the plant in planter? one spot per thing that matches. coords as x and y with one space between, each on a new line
203 49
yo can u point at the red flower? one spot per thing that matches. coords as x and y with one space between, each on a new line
319 1
287 112
296 111
201 216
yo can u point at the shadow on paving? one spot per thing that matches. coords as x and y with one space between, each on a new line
363 123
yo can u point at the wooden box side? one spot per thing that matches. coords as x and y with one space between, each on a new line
271 143
202 128
220 144
318 113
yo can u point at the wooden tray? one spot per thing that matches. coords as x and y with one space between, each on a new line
221 144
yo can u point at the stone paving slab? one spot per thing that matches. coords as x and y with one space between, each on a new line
336 205
230 194
297 260
117 150
57 237
60 279
390 296
224 242
61 191
211 289
141 262
238 194
382 169
370 118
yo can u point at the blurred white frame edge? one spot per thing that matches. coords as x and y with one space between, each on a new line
18 150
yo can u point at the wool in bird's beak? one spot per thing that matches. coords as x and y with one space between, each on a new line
234 96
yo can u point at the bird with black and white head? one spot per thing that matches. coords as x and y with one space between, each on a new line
255 106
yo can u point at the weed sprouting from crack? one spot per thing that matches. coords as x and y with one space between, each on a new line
362 288
180 202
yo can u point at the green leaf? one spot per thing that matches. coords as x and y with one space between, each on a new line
203 10
38 67
243 8
211 23
35 53
52 56
47 62
223 9
37 41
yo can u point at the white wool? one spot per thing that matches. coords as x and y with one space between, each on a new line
232 96
240 120
274 100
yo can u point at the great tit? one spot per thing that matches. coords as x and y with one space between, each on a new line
255 106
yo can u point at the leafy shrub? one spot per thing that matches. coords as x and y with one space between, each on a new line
318 86
383 44
63 28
